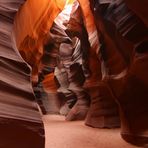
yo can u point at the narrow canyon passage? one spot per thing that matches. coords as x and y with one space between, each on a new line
73 74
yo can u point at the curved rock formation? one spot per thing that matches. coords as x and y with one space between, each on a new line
20 121
124 39
31 37
118 40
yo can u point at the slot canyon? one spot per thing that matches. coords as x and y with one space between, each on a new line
73 73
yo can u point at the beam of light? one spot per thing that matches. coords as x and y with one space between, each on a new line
64 16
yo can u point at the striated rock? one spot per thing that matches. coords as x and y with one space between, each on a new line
20 121
139 8
68 70
124 39
36 18
114 68
103 111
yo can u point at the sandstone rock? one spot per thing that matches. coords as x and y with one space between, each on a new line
20 121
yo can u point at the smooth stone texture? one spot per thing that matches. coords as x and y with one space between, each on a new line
63 134
20 120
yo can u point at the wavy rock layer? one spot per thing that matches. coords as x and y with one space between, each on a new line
20 120
124 50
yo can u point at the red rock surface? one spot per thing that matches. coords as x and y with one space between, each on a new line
121 58
20 120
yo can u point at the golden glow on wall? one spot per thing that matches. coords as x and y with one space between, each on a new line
34 20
